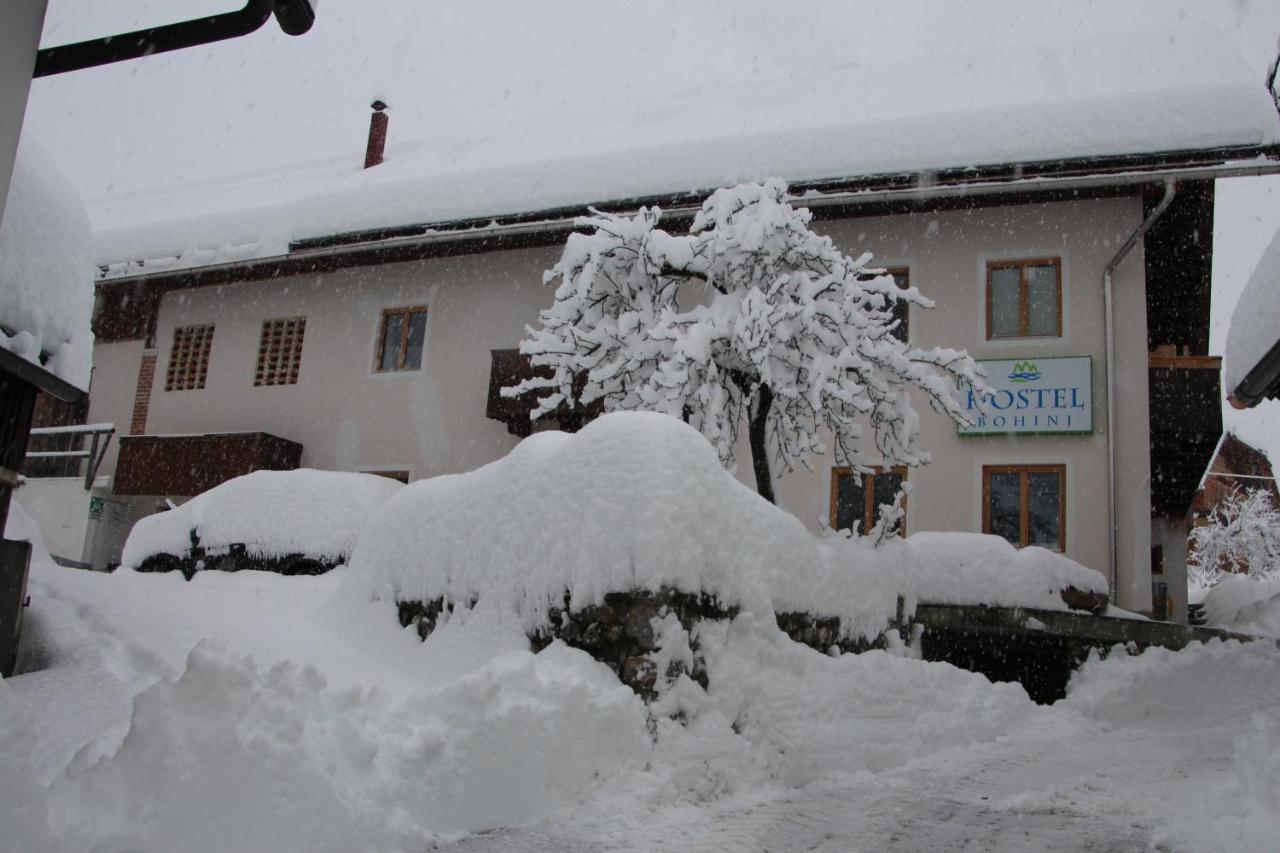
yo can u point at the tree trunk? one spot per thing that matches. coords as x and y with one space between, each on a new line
759 447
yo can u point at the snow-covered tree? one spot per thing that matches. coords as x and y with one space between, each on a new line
781 330
1242 535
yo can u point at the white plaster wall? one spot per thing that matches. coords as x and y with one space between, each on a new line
947 253
111 389
348 417
432 421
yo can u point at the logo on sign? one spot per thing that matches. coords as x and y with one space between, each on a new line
1024 371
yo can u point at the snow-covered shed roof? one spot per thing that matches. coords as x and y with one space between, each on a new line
46 278
1114 100
1252 371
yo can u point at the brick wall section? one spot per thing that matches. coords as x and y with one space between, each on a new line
142 396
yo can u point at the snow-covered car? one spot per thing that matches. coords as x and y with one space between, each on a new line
301 522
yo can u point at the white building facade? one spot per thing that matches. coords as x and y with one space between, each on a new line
383 359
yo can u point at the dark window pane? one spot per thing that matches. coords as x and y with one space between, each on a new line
1005 510
1004 302
883 491
1044 494
1042 300
393 329
850 503
417 331
901 309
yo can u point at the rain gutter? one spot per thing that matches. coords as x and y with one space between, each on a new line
1110 370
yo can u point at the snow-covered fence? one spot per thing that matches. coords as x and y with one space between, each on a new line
60 451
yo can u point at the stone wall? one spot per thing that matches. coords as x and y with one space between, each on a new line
620 632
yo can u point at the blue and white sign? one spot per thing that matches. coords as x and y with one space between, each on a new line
1049 396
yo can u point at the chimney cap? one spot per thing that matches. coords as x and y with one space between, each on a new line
378 105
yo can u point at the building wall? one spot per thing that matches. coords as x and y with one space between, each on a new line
947 255
432 421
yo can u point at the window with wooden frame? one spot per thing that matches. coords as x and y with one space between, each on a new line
1026 504
280 351
401 336
1024 298
189 358
856 498
901 308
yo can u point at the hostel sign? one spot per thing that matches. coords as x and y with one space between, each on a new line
1033 395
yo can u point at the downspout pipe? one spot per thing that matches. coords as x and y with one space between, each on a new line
1108 309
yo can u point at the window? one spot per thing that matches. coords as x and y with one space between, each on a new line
901 309
280 351
400 339
856 498
1026 504
189 358
1024 298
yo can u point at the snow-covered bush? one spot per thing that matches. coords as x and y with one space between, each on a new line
273 513
793 336
1242 536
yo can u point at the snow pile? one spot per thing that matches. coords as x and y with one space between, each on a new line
1256 318
973 568
780 711
635 501
274 513
1126 690
1257 762
639 501
23 810
293 764
1245 604
46 276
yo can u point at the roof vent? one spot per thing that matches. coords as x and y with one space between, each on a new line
377 134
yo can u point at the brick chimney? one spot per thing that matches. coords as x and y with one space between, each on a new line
377 134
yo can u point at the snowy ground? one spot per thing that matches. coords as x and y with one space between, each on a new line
468 742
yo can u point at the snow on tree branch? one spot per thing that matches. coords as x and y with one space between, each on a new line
1243 535
751 316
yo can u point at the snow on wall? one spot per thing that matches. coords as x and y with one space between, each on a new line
638 500
1255 322
275 513
1019 103
46 278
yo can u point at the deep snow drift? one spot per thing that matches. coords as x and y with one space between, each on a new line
275 513
259 712
314 725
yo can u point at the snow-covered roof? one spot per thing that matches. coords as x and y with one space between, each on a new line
1255 323
46 278
1103 97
